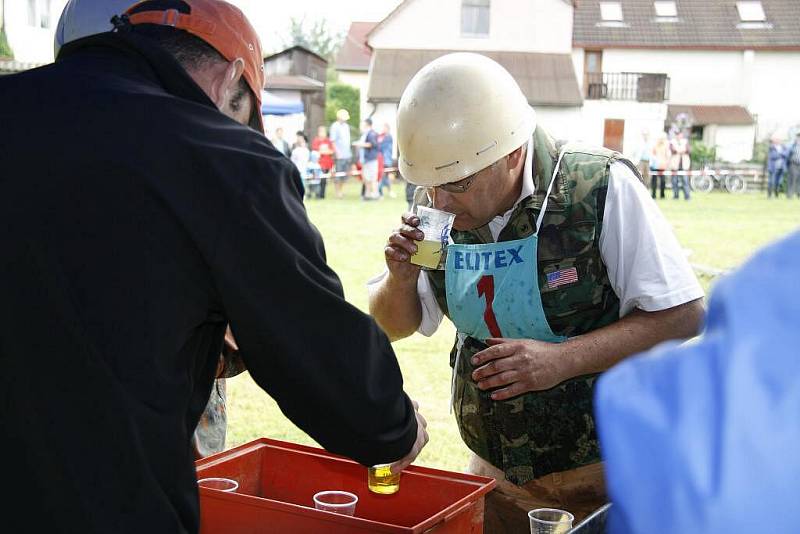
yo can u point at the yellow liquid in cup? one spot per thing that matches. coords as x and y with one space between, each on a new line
428 254
381 480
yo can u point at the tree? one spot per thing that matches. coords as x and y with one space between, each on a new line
342 96
5 48
315 36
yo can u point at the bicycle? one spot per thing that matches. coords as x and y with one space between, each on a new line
708 179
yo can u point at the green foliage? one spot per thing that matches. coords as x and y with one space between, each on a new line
315 36
702 154
760 150
5 48
340 95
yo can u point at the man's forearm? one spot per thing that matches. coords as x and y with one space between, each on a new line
636 332
395 306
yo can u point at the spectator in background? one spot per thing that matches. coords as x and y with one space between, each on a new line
793 168
300 156
386 148
680 163
776 165
658 162
642 157
324 147
280 143
369 165
340 137
314 180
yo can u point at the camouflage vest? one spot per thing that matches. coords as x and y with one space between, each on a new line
549 431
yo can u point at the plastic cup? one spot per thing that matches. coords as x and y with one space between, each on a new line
219 484
381 480
550 521
436 225
338 502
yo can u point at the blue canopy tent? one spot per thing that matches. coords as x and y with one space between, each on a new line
271 104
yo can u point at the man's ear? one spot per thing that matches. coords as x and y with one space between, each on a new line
515 157
226 79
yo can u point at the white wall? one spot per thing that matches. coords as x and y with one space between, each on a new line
360 80
577 62
31 43
776 91
638 117
560 122
514 25
766 83
699 77
734 143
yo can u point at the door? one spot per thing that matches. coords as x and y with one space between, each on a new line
593 74
613 133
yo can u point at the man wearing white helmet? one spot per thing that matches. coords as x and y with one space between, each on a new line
559 266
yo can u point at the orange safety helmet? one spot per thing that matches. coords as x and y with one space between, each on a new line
225 28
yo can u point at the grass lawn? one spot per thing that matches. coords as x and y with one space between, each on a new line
718 230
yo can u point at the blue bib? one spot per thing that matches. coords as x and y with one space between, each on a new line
492 289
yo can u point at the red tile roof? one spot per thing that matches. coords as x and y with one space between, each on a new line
703 115
354 53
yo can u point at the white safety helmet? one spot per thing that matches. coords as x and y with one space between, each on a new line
459 114
82 18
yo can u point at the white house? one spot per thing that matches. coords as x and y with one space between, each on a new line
30 28
733 66
603 72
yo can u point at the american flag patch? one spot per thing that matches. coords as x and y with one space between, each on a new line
562 277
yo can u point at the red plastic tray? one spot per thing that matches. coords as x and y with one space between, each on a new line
277 481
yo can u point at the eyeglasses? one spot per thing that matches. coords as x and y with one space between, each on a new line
464 184
460 186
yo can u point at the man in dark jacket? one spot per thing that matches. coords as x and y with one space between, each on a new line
137 221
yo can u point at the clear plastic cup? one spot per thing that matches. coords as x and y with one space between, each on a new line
338 502
436 225
219 484
550 521
381 480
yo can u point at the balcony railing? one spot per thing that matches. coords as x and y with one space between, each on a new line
637 86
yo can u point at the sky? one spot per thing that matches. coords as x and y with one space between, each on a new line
271 17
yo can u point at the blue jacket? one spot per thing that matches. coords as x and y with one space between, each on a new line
789 151
386 145
776 158
703 437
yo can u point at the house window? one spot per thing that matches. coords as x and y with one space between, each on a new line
475 18
39 13
611 11
611 15
665 9
751 11
752 16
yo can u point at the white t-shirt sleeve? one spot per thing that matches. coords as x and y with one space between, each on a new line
646 265
432 315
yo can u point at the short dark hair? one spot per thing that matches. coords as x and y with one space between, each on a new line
191 52
368 121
